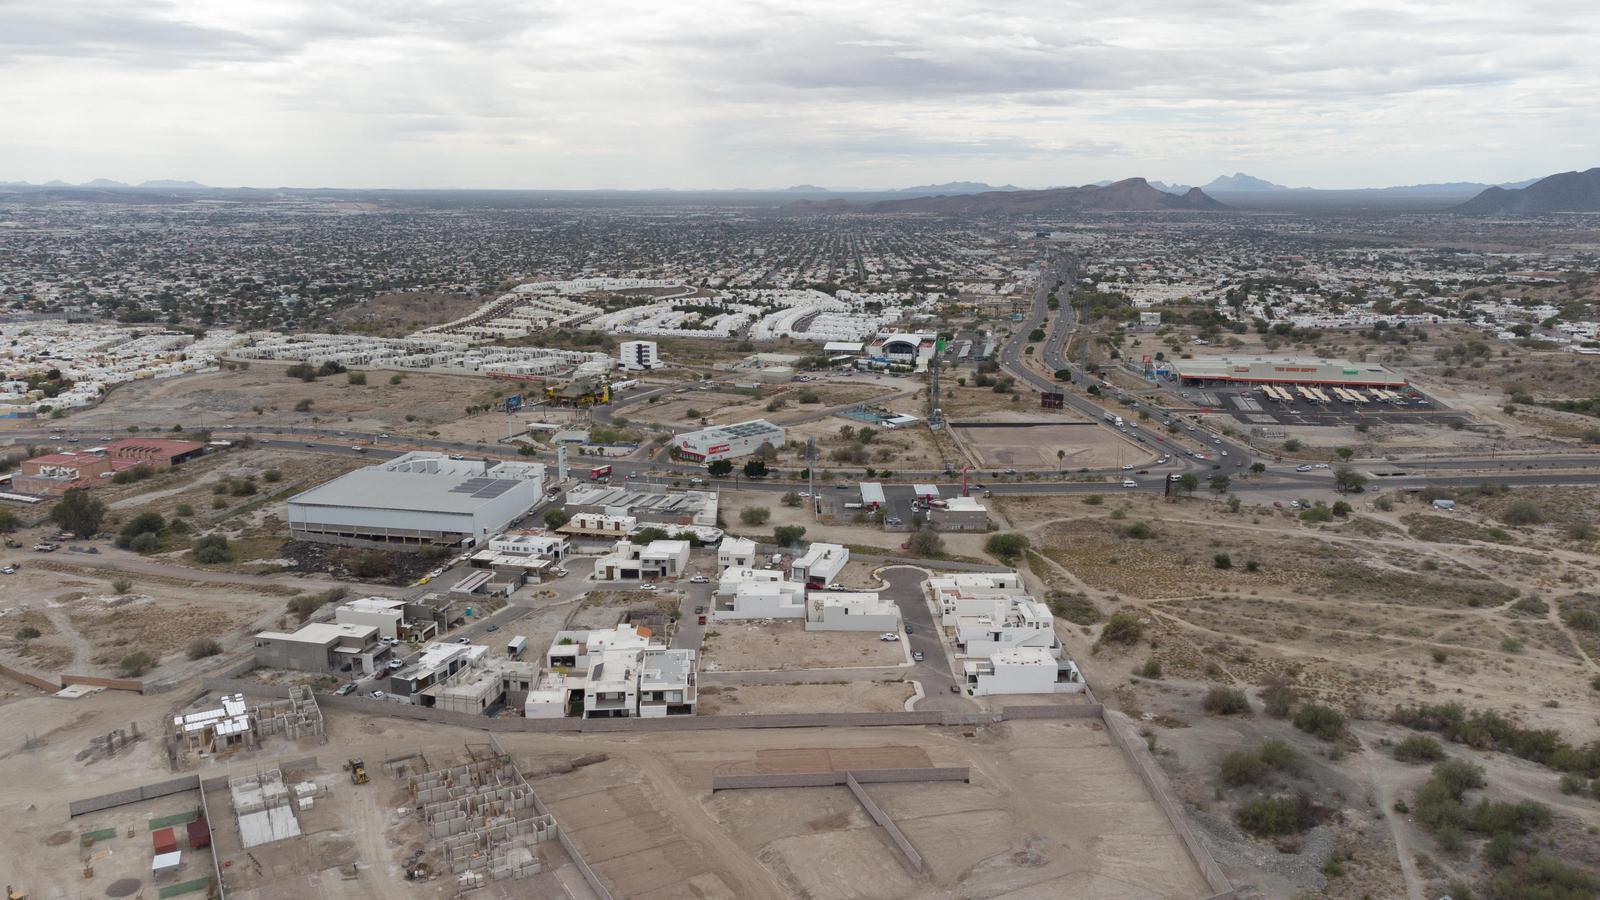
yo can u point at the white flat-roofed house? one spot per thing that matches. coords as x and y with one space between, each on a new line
572 652
744 593
971 592
532 543
1022 670
585 524
439 664
480 688
388 616
850 611
322 647
820 565
667 683
736 552
1010 622
629 561
611 689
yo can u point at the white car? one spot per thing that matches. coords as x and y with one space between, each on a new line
699 579
888 636
1127 468
9 570
836 586
1216 440
1223 452
647 587
1302 468
1129 483
377 695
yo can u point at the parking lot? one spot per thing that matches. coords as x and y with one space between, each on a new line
1255 407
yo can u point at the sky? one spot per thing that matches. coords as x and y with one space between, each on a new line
718 94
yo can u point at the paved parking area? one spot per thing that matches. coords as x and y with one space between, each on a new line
1254 407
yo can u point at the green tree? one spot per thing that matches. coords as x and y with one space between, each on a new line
9 521
755 515
78 512
555 517
1346 479
1219 483
791 499
647 534
213 549
1006 546
719 468
1187 482
788 535
926 544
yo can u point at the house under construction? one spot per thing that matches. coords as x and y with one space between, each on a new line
235 725
484 816
264 805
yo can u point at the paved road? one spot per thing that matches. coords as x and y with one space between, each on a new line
933 672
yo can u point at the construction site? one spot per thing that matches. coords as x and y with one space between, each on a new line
484 819
228 725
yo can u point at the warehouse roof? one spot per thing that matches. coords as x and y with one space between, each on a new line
421 482
1285 368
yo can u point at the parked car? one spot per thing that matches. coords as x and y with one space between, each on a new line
462 640
492 627
8 570
836 586
346 688
888 636
647 587
1302 468
378 695
909 629
916 655
699 579
955 688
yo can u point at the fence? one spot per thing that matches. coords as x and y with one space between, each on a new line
30 678
1143 763
115 684
133 795
913 858
833 779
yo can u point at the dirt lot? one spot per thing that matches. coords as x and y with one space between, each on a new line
785 645
770 699
232 398
398 315
1053 447
860 538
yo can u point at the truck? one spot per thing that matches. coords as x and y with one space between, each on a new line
516 647
599 472
357 770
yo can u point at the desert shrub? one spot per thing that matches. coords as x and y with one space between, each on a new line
1151 668
135 664
183 509
791 499
27 633
788 535
755 515
1278 697
1242 767
1522 512
926 544
1222 561
371 564
145 542
1006 545
1226 701
1139 531
1122 628
1325 722
1266 816
200 648
212 550
1418 748
1278 755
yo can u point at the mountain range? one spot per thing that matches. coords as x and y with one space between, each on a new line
1127 194
163 183
1566 192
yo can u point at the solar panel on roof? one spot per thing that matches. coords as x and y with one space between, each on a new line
494 489
472 485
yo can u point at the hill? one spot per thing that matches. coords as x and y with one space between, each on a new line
1239 182
1566 192
955 187
1130 194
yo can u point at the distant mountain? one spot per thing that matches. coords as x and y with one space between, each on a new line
1566 192
169 183
955 187
806 189
1130 194
1239 182
1171 188
103 183
832 204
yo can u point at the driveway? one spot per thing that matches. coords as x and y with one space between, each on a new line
905 589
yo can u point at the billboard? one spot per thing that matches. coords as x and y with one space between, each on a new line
1053 401
513 403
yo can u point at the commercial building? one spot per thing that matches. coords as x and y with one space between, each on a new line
903 349
1284 370
728 441
1022 670
848 611
657 559
736 552
323 647
820 564
638 356
598 525
416 500
644 506
56 473
959 514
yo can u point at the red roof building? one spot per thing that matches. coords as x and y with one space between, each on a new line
56 473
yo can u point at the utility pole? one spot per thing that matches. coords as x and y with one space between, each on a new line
811 474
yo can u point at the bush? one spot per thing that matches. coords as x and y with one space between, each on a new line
788 535
791 499
200 648
371 564
556 517
219 503
1122 628
145 542
183 509
135 664
1418 748
1278 755
1522 512
1278 698
1242 767
1006 545
1222 561
272 476
304 405
121 585
77 512
926 544
1226 701
357 378
1139 531
1265 816
1151 668
1324 722
27 633
755 515
212 549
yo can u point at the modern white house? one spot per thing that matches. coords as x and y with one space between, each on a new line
532 543
629 561
744 593
971 593
572 651
1008 622
1022 670
850 611
734 551
650 683
820 564
387 615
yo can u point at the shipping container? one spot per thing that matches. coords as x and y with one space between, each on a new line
164 839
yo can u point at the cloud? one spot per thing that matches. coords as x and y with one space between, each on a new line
498 92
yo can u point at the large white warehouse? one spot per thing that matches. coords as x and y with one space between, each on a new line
728 441
419 499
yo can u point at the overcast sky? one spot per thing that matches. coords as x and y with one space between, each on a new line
871 93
